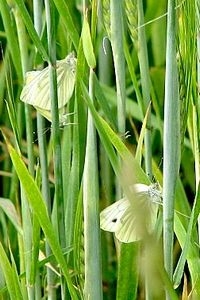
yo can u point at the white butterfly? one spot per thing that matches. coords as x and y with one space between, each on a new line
36 90
129 220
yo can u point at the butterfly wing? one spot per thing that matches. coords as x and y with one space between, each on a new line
139 218
153 208
131 220
148 197
127 230
140 188
36 90
44 112
110 216
65 79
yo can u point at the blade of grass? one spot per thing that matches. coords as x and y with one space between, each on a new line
145 83
93 278
50 18
36 201
116 27
11 38
64 12
171 144
186 252
30 27
42 143
26 212
91 212
9 209
10 276
110 139
128 276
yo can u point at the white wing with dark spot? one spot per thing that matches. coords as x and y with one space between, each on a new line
110 217
132 220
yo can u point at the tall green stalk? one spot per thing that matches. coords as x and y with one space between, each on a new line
197 102
116 37
197 108
58 199
37 15
59 206
145 82
171 146
26 212
92 288
93 278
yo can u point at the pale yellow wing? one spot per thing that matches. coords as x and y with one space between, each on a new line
110 216
36 89
132 220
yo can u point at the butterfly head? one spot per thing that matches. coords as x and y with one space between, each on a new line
155 193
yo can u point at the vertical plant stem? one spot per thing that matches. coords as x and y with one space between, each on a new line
50 18
37 12
116 38
171 144
40 120
11 38
116 22
57 155
24 60
196 111
197 6
93 289
145 82
105 65
26 213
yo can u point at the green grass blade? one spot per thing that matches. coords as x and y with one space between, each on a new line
93 280
171 139
127 282
9 209
11 37
110 139
56 136
10 276
64 12
36 201
30 27
186 248
145 83
116 26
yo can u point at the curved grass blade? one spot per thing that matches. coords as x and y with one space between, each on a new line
30 27
38 206
10 276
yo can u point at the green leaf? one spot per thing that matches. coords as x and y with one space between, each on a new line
39 209
188 250
11 37
10 276
87 44
30 27
112 142
64 12
9 209
128 272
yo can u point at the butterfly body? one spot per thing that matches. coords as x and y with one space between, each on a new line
129 219
36 90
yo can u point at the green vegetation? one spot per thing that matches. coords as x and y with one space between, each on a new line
133 118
